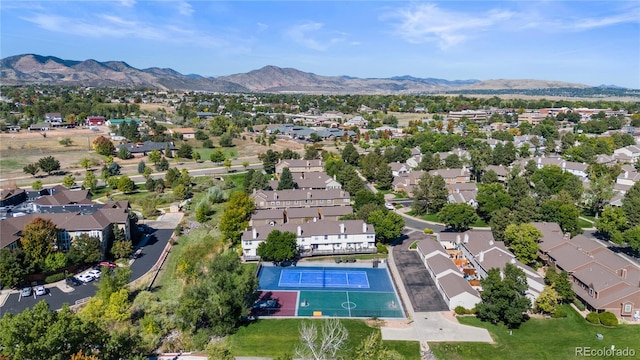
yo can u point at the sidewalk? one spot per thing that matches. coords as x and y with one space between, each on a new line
403 211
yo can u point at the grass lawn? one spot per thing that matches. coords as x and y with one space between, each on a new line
414 245
10 164
431 217
540 339
585 224
276 337
205 153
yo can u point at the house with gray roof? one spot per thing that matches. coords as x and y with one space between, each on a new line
144 148
298 215
321 237
283 199
298 166
311 181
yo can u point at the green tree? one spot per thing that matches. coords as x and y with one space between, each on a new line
196 156
217 156
269 161
31 169
632 237
566 215
86 163
226 140
69 181
458 216
125 184
13 268
560 283
155 156
286 180
388 225
279 247
499 222
631 204
163 164
350 154
503 296
66 142
490 198
311 152
220 299
227 164
523 240
518 188
124 153
453 162
38 240
49 164
103 146
113 281
36 185
384 177
430 195
141 167
185 151
372 348
612 223
364 197
547 301
121 249
236 216
85 249
489 177
208 144
370 164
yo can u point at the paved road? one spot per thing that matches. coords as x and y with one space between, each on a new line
56 298
422 290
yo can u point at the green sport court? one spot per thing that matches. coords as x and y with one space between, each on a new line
327 290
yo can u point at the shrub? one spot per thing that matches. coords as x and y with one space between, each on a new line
460 310
559 312
579 304
428 231
59 276
593 318
382 249
338 260
608 319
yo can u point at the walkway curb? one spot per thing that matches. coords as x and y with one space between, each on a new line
427 222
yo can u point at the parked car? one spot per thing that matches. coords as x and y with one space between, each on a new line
26 291
85 278
73 281
108 264
95 273
41 290
389 206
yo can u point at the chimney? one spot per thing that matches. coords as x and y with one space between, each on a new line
341 193
275 196
299 230
490 242
341 228
623 273
308 163
315 219
255 233
308 194
285 219
458 239
364 227
302 175
320 214
481 256
466 238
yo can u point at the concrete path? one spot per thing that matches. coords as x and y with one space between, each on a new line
436 327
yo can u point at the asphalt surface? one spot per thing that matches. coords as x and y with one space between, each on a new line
56 298
422 290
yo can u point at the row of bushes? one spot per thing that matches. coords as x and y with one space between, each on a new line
605 318
54 277
461 310
346 259
382 248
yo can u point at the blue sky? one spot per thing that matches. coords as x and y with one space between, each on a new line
585 42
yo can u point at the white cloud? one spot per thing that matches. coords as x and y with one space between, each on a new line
591 23
110 26
429 23
127 3
184 8
262 27
303 34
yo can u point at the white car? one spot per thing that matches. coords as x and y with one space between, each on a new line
389 206
40 290
85 278
95 273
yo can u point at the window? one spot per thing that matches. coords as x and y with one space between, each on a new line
321 201
296 202
346 200
326 237
328 201
273 203
261 203
277 202
247 243
591 292
627 308
288 202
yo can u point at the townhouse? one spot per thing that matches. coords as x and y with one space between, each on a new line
453 176
629 153
319 237
298 215
298 166
407 182
448 277
311 181
463 193
265 199
601 279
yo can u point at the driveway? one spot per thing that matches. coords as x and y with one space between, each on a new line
60 293
421 289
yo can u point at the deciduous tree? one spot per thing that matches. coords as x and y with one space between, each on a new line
103 146
503 296
458 216
279 247
49 164
31 169
523 240
38 240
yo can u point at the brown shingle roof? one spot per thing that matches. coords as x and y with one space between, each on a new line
351 227
454 285
296 213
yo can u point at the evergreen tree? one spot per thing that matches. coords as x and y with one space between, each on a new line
286 180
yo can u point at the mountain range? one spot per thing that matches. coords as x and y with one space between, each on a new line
50 70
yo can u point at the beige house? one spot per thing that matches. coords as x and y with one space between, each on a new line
300 198
453 176
187 133
296 166
298 215
312 181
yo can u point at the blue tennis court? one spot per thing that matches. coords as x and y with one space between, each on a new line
324 289
323 278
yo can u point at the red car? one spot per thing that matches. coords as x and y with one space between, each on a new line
108 264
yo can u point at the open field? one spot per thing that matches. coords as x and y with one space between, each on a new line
279 336
539 338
